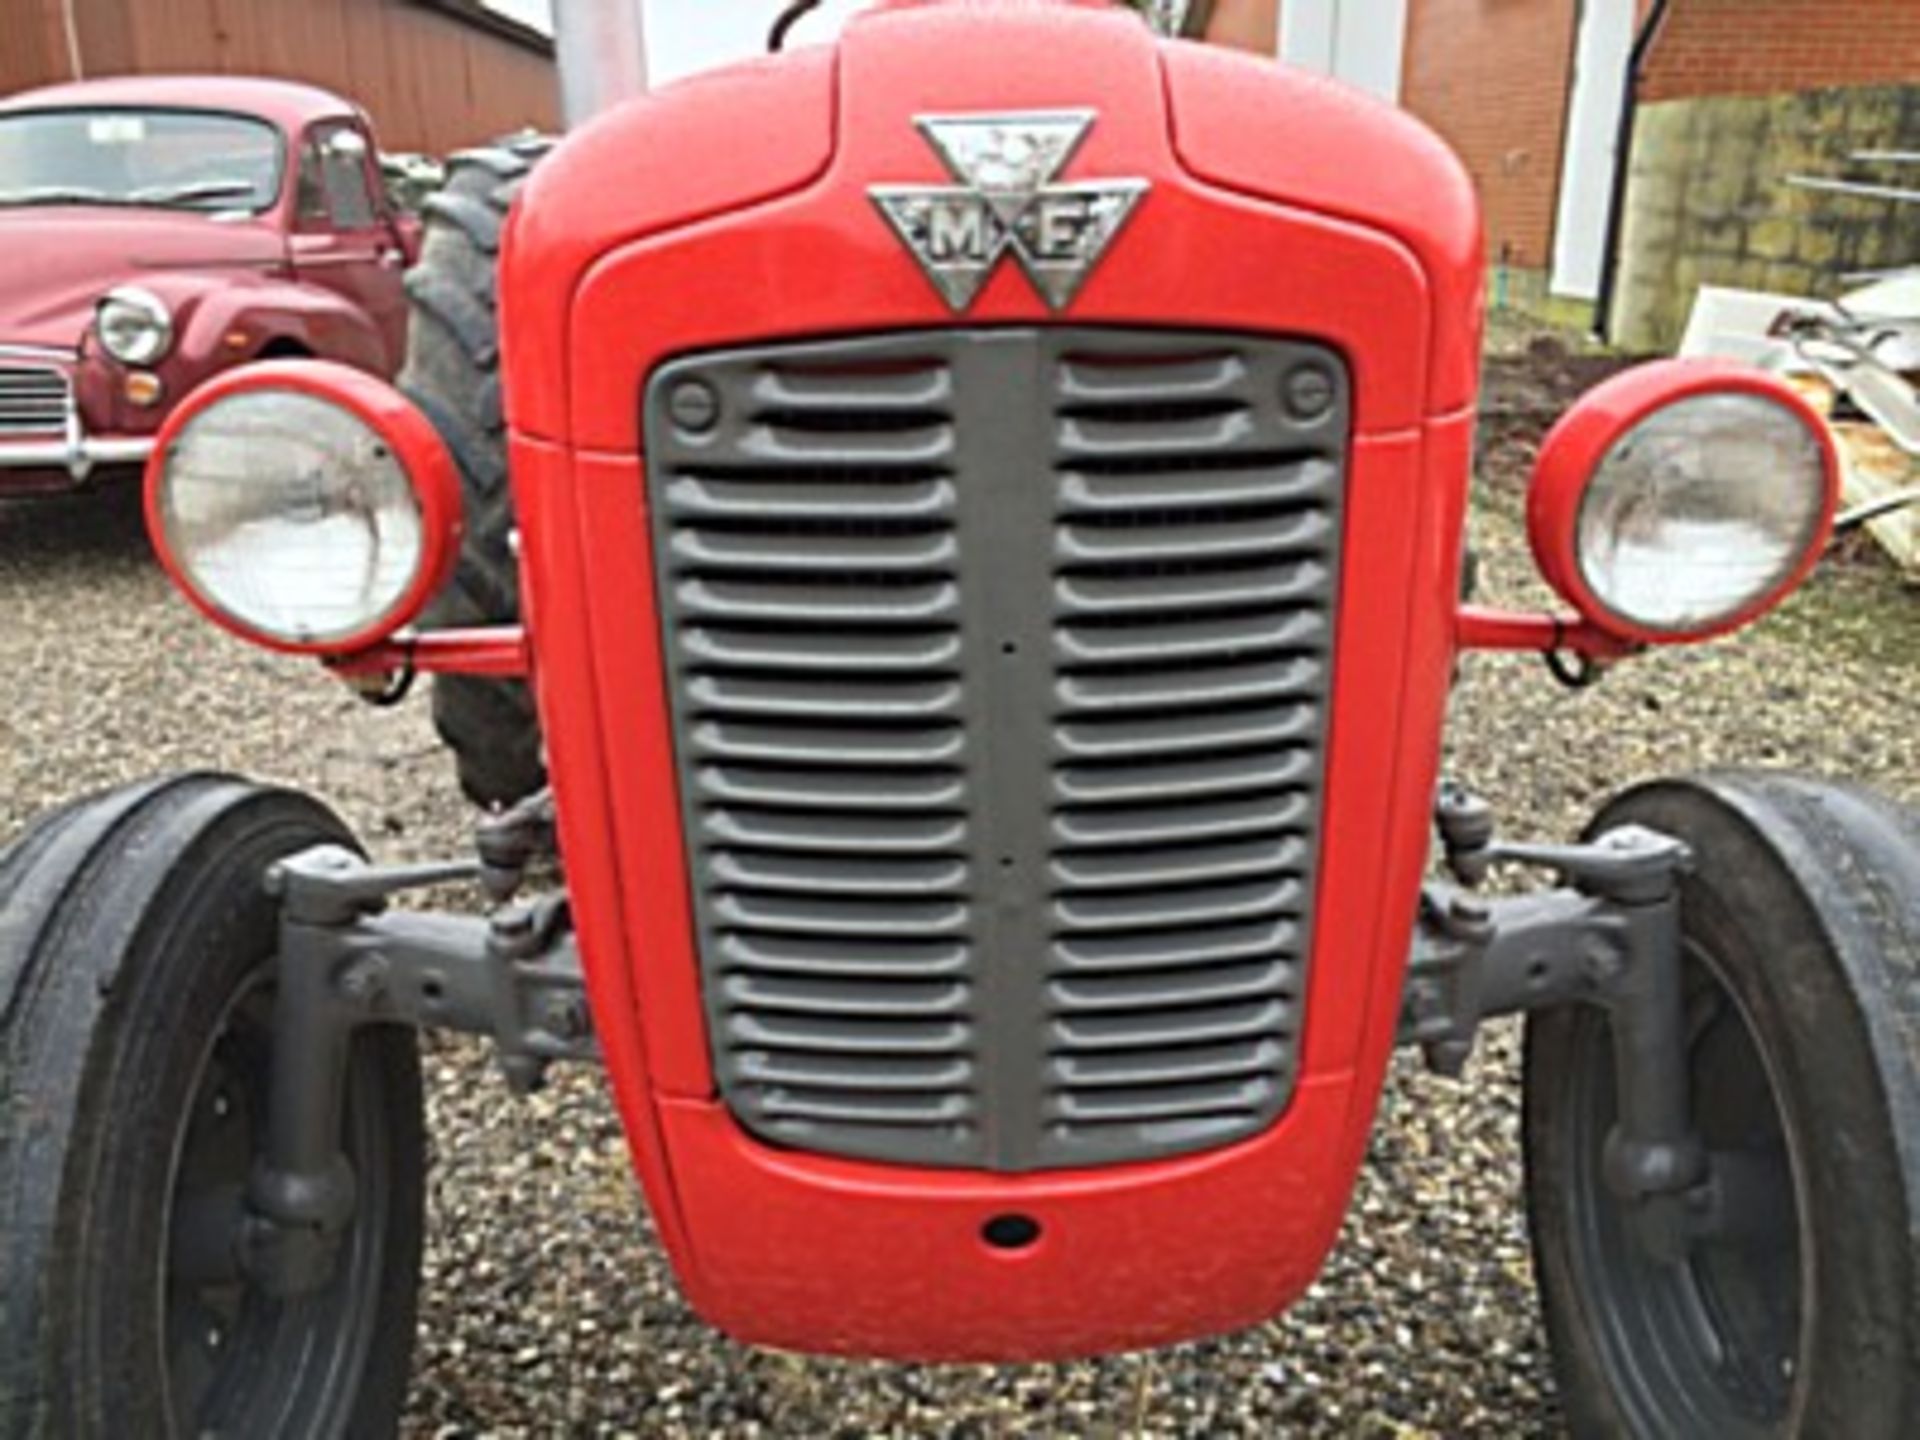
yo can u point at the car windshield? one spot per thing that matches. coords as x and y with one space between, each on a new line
175 159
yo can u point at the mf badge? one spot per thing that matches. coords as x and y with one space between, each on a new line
1008 200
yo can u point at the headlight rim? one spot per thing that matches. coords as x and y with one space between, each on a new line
417 448
1574 449
155 308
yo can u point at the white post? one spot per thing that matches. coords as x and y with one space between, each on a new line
1358 41
602 52
1372 43
1307 30
1601 58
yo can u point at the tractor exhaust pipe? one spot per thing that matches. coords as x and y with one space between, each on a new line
601 48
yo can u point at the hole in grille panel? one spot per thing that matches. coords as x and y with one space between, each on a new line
1011 1232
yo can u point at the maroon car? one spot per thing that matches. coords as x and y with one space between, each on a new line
158 230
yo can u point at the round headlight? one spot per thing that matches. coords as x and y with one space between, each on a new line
1678 501
300 520
135 326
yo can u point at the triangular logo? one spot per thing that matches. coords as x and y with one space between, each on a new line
1008 201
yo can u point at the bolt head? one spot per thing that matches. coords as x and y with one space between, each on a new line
514 922
567 1017
365 982
694 406
1471 909
1604 963
1308 392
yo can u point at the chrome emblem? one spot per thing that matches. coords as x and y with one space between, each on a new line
1007 201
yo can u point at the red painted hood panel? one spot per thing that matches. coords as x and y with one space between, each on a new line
60 260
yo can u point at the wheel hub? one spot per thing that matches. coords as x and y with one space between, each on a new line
239 1360
1697 1296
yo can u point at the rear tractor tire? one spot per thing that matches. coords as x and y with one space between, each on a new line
136 990
452 373
1792 1307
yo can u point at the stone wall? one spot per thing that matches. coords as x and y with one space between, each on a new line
1707 202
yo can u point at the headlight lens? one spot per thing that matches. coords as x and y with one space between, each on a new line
1701 511
135 327
292 517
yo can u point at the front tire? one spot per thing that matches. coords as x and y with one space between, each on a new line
1795 1309
135 999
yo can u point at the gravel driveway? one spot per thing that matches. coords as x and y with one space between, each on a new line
547 1307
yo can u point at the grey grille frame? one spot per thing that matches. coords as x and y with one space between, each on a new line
999 662
35 399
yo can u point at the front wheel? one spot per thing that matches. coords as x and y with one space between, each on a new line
1794 1307
135 1008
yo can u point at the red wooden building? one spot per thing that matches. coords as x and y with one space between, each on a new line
434 74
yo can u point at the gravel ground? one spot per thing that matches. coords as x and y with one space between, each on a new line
547 1307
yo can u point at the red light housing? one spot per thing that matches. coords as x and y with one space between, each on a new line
1654 447
269 484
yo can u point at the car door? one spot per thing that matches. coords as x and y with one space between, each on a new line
343 238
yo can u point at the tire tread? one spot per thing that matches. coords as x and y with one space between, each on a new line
453 373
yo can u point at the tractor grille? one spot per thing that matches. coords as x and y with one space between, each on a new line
34 399
999 663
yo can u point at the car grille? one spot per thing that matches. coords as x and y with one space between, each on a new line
999 663
34 399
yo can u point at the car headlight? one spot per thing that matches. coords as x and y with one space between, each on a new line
134 325
304 505
1679 500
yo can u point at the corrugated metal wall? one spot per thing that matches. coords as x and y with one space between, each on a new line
431 81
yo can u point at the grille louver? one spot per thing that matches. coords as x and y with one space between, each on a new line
999 662
34 399
1192 563
817 584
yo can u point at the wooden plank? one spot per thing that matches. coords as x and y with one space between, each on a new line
1861 189
33 45
177 37
1873 467
106 36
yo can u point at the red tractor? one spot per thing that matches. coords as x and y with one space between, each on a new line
981 593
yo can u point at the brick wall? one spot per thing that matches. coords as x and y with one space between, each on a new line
1491 76
1776 47
1737 95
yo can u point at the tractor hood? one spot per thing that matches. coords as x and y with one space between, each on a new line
61 260
953 363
